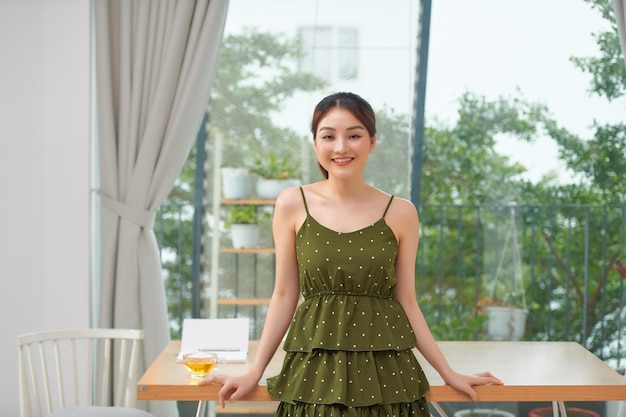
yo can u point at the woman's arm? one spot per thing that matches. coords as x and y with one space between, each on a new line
284 298
282 304
403 220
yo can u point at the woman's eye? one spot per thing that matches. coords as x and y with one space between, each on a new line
355 136
327 137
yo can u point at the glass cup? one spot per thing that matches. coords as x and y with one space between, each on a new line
200 364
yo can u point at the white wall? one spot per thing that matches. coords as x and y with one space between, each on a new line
44 174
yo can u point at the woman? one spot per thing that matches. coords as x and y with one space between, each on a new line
350 249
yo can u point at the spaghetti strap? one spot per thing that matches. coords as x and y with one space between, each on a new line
304 200
386 208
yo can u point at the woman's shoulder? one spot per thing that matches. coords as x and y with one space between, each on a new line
289 209
296 195
401 211
289 198
403 204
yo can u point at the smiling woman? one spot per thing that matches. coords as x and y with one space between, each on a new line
339 138
348 250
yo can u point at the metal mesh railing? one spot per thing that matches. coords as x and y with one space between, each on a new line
567 255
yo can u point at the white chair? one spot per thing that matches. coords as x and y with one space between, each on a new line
87 372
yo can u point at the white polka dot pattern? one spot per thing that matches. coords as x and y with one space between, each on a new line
349 345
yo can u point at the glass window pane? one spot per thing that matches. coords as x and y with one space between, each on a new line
317 51
347 53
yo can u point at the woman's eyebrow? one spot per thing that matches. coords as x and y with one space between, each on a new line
333 129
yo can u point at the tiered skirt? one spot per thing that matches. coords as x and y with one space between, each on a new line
350 356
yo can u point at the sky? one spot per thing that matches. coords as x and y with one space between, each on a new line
492 48
500 46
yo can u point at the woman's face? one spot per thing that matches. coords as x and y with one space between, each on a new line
342 143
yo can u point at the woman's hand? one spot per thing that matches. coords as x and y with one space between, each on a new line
464 383
233 387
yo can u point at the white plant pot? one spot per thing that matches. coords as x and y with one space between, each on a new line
245 236
237 183
271 188
482 412
506 323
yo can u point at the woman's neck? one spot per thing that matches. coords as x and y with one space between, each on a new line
346 190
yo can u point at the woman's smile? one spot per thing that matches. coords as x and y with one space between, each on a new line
342 161
343 141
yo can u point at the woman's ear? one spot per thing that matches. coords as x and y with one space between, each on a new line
372 143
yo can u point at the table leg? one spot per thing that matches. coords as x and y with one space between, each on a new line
558 409
437 407
201 409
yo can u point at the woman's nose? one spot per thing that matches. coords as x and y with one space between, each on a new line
340 144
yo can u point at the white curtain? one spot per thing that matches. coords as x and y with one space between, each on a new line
155 63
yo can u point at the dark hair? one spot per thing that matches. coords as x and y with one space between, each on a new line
354 103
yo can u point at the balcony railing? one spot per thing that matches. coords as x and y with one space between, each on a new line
559 261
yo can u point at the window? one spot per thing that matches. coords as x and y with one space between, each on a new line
330 53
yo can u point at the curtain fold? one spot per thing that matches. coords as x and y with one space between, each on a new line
155 63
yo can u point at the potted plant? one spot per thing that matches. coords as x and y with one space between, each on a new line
274 174
237 182
506 320
466 325
506 305
244 222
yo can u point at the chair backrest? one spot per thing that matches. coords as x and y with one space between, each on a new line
83 367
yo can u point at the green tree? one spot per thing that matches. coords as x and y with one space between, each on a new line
599 168
254 80
467 188
607 70
599 161
462 169
461 165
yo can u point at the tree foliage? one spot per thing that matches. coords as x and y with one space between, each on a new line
607 69
461 165
571 233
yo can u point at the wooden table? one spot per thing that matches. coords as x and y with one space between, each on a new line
531 371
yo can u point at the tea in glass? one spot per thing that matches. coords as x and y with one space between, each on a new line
200 364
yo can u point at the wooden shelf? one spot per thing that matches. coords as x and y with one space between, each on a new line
251 257
255 202
252 250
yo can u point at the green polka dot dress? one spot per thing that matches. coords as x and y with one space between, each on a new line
348 349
